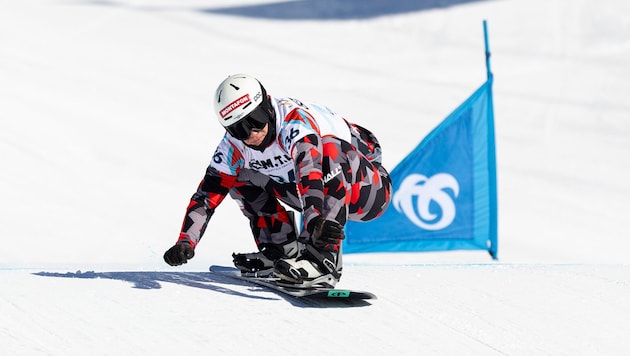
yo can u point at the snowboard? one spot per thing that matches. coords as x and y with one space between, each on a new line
319 295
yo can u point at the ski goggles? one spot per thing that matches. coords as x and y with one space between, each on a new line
254 121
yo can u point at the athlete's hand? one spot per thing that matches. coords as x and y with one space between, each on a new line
179 254
326 232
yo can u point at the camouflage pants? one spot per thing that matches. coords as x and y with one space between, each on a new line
356 189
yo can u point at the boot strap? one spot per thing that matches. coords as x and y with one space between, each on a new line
325 264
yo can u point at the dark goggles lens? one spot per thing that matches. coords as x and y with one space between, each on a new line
254 121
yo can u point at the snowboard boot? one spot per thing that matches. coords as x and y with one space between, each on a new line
313 268
261 263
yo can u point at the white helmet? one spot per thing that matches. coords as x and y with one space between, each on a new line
242 105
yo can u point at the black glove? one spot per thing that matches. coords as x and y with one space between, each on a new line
326 232
179 254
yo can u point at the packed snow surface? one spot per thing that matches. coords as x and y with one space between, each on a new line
107 125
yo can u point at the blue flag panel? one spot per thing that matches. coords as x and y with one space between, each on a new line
444 191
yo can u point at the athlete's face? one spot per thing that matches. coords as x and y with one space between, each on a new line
256 137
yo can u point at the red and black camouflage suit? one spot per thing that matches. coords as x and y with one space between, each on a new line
319 164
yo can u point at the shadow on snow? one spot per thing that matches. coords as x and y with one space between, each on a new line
304 9
333 9
201 280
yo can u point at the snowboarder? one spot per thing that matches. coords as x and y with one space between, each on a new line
301 154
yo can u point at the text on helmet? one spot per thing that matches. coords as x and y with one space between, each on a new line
234 105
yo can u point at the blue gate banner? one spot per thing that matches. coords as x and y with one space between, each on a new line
444 191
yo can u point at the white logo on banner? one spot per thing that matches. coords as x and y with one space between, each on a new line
423 190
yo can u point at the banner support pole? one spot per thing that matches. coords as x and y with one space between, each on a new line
485 39
493 241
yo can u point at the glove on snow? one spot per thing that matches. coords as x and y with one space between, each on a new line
326 232
179 254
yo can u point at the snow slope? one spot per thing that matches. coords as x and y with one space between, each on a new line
106 127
